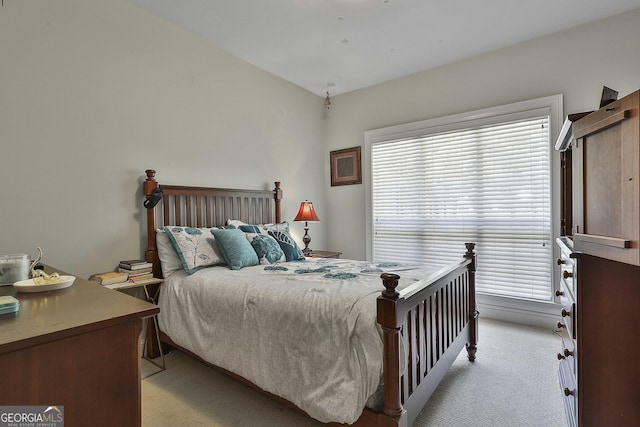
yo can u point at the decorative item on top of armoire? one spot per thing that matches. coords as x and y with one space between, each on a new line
345 167
608 96
599 269
306 213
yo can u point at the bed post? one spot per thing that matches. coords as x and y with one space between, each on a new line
472 346
151 255
277 196
391 325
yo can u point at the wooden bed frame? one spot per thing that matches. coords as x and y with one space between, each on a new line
435 317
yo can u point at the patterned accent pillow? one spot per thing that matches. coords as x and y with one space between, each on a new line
264 228
266 247
288 245
196 247
279 226
235 248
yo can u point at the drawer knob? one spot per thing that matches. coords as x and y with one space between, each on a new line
566 274
560 356
568 353
561 325
565 313
560 261
568 392
559 293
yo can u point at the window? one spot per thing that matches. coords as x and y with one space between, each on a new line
483 177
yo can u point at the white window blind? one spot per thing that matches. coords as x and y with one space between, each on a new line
487 183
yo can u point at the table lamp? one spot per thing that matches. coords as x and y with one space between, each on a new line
306 214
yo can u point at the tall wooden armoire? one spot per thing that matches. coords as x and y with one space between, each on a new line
599 370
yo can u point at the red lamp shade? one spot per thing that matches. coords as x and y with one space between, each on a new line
306 212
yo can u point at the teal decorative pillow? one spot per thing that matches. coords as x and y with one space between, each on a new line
288 245
247 228
235 248
195 247
266 247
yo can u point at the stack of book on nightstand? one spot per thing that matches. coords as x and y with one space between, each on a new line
110 278
8 304
136 269
131 273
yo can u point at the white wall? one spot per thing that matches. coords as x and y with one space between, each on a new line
575 63
92 93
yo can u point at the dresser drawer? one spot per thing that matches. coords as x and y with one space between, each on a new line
567 275
569 392
567 353
567 270
567 312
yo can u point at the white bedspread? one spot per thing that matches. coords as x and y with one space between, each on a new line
307 333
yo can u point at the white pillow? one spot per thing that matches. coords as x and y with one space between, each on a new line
169 260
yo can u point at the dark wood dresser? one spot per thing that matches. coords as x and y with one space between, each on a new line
599 261
77 347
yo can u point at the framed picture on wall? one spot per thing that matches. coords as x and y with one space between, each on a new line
345 167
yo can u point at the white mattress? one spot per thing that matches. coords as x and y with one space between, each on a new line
307 333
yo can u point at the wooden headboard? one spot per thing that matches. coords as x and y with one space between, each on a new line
203 207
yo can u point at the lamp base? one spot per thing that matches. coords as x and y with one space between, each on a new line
306 240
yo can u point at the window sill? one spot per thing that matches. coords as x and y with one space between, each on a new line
534 313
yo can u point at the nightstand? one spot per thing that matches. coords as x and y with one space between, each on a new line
144 284
323 254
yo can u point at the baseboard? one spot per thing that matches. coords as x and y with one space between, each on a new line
544 315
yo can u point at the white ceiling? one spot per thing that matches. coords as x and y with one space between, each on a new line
344 45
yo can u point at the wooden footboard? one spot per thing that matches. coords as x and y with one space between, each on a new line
429 322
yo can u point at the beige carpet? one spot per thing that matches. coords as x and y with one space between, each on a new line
513 383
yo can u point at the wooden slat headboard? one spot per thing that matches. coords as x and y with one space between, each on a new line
205 207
